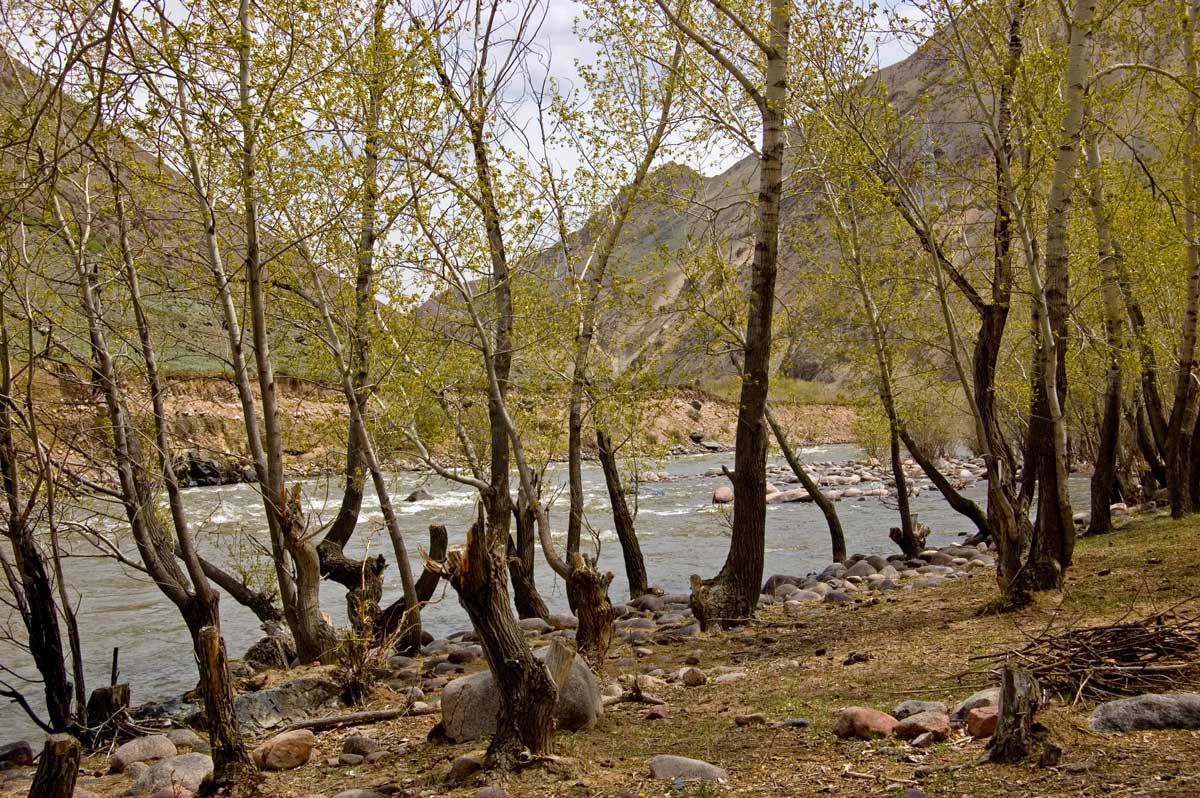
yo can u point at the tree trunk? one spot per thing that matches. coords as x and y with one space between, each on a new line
58 768
1020 698
595 611
631 550
730 598
958 502
108 706
32 589
388 621
1149 451
231 762
906 519
521 566
1104 469
260 603
39 611
526 715
362 579
837 537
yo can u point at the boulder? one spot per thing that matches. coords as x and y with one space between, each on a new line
276 650
722 495
360 744
534 625
679 767
861 568
141 749
418 495
928 722
692 677
648 602
183 770
981 721
1147 712
776 580
285 751
186 738
470 704
984 698
18 754
465 766
909 708
289 702
492 791
864 723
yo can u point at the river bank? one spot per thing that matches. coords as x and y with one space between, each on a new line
766 710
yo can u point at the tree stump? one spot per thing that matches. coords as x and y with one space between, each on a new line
57 769
594 610
108 706
1020 699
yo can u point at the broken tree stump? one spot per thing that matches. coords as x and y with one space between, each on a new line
1020 699
108 706
57 769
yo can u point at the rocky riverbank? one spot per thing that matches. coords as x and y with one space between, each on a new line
816 696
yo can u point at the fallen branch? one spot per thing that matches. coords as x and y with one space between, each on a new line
349 719
1159 653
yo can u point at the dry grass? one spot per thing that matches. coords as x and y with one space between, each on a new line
921 645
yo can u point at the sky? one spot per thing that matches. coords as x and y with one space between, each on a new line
564 49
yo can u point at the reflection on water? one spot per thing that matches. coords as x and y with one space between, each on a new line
680 531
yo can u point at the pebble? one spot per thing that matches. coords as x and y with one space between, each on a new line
753 719
679 767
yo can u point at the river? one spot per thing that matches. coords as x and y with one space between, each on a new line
680 531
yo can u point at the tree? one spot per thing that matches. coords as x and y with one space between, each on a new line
732 595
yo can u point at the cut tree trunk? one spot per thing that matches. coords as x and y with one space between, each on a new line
108 706
525 721
231 763
594 610
631 550
58 768
1020 698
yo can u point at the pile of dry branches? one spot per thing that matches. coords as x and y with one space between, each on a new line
1159 653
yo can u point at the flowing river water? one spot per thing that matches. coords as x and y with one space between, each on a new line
681 533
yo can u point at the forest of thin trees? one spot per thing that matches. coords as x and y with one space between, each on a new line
994 243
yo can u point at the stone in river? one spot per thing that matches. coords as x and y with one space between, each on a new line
722 495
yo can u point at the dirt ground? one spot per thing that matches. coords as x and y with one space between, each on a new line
921 644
